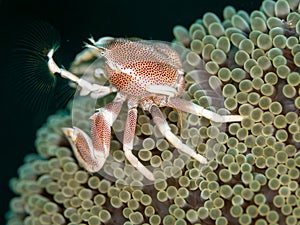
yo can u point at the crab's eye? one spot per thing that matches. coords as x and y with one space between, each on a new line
101 53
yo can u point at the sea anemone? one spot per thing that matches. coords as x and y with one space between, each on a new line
253 176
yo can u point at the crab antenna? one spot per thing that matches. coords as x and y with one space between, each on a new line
93 45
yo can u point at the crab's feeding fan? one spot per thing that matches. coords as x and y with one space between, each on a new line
36 87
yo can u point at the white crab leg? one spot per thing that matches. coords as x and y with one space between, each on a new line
165 129
86 87
55 69
92 153
128 144
188 106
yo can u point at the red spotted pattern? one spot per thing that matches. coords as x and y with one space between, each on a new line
100 133
149 63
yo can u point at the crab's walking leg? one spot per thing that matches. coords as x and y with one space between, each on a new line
165 129
128 142
188 106
92 153
86 86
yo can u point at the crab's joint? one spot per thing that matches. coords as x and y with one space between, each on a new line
165 129
54 68
51 64
172 138
96 90
108 115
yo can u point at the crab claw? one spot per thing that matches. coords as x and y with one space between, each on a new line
91 159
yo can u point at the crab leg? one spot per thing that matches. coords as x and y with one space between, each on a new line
86 87
188 106
128 143
165 129
92 153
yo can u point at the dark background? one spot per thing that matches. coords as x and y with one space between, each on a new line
76 21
